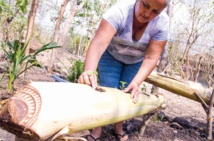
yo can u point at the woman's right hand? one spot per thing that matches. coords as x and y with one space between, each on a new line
88 77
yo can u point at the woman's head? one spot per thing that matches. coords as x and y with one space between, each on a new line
146 10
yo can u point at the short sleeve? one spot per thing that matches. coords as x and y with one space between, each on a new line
162 32
115 15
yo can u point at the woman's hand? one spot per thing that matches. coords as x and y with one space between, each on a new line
135 91
88 77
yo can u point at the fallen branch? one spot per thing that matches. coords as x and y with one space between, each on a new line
189 90
183 88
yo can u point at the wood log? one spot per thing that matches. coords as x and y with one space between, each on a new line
40 110
187 89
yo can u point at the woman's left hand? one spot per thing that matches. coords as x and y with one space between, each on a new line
135 91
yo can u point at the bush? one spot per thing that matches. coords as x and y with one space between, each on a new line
75 71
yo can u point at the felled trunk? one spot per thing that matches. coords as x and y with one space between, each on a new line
187 89
41 109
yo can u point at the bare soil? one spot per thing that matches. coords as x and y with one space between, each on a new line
182 120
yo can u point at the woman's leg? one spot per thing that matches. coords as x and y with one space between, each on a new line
118 130
109 71
128 73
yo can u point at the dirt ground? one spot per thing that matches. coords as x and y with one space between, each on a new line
182 120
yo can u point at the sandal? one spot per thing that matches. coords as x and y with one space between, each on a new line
93 138
121 136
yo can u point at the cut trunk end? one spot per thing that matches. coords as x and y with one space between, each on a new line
16 116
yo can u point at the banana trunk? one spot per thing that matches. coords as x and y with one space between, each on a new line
41 109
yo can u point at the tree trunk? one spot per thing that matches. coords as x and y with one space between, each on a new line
73 11
57 31
62 37
37 112
187 89
198 68
59 20
31 19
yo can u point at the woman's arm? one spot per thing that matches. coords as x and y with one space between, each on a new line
96 48
99 44
150 61
152 56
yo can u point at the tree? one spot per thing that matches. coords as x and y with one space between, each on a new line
59 20
31 19
10 10
57 30
75 7
191 34
82 15
199 25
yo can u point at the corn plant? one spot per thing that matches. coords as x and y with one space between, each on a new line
18 62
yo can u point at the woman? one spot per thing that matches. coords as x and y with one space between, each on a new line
126 47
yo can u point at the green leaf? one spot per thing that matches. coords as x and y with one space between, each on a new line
25 46
22 5
32 60
2 6
46 47
1 10
2 79
11 45
25 57
7 53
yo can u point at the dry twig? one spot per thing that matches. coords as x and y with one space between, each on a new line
208 110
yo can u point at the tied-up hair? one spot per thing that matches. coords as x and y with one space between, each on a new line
167 2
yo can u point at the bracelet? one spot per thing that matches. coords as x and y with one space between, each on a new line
92 73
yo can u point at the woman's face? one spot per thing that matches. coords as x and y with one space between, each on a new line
146 10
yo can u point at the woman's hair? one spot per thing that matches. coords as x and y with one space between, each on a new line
167 2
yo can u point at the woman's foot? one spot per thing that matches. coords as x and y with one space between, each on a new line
92 138
119 133
95 134
122 137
